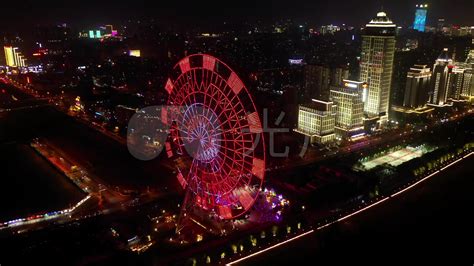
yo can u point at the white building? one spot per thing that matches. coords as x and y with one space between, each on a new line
317 120
349 108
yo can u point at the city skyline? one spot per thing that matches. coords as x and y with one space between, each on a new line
88 13
228 134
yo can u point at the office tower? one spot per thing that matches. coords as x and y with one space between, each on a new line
439 79
420 17
338 75
13 57
417 86
460 80
468 87
9 57
440 24
470 56
468 84
317 120
376 65
349 108
319 79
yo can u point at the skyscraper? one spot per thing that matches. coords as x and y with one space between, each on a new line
420 17
470 56
376 65
468 87
319 78
13 57
317 81
349 108
9 56
439 80
417 86
460 80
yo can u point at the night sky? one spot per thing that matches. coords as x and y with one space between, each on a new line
23 14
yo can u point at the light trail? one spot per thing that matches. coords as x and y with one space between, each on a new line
425 178
347 216
272 247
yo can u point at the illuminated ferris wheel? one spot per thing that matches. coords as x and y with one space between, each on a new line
216 131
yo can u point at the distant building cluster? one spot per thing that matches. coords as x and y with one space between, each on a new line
106 31
13 57
339 118
448 81
354 102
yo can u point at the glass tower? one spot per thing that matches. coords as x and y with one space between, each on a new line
420 17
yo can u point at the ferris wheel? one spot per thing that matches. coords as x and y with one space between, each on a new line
217 134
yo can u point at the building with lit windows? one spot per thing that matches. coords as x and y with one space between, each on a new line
439 79
13 57
349 108
460 81
376 64
470 56
417 86
317 121
420 17
318 80
468 84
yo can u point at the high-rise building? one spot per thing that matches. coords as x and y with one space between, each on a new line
420 17
460 80
317 121
376 65
13 57
468 87
440 26
9 57
349 108
439 79
417 86
470 56
319 79
338 75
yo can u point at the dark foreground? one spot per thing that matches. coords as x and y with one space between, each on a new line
433 220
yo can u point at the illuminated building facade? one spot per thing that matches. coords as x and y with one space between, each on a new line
470 56
349 108
420 17
134 53
417 86
460 81
317 120
103 32
13 57
468 87
329 29
376 65
439 79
